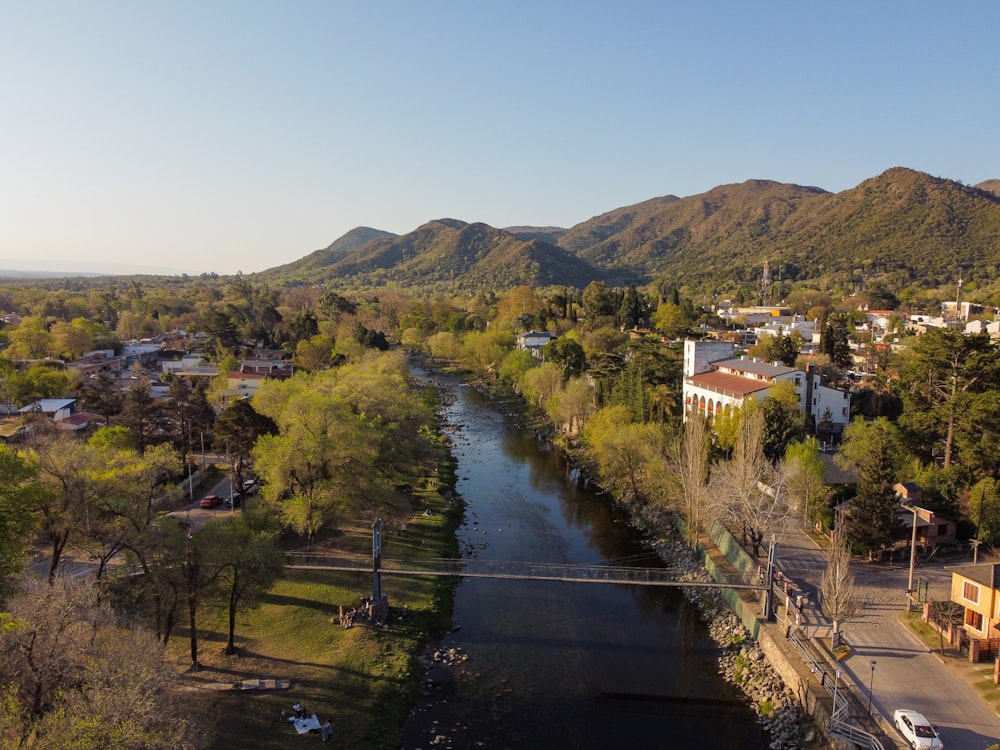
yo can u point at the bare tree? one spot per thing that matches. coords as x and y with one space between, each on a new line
748 494
689 456
840 597
75 677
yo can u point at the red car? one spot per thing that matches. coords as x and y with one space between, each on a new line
210 501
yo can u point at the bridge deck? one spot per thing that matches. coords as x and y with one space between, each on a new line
476 568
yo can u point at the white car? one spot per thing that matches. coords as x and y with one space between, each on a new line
916 730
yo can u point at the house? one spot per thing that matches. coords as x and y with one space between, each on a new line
715 381
54 408
977 588
271 368
82 421
534 341
94 363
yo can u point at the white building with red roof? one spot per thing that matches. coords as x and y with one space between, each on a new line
716 381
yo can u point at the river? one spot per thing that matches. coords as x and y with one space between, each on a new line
563 665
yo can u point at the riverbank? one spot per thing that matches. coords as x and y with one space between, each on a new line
364 679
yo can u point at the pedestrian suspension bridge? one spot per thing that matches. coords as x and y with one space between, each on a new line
318 558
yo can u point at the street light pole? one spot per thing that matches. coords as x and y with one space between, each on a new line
871 684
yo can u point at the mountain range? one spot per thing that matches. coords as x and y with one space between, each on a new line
902 226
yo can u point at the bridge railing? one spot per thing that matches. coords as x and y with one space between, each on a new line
477 568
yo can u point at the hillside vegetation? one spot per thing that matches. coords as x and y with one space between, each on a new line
901 226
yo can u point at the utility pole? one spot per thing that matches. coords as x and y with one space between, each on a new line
913 549
377 560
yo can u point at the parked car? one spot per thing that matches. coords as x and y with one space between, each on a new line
210 501
916 730
235 499
249 486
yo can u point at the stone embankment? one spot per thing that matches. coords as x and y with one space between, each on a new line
742 662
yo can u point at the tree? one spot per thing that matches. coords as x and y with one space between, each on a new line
23 387
840 600
542 383
186 414
128 490
947 376
803 469
779 348
571 406
515 365
73 677
599 302
690 469
323 458
314 353
748 494
634 308
237 429
631 457
140 414
19 493
481 351
100 395
835 341
65 469
568 354
874 448
671 320
984 510
248 555
30 339
782 419
72 340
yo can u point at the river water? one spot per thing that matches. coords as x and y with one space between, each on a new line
563 665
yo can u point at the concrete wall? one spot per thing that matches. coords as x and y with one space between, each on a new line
783 657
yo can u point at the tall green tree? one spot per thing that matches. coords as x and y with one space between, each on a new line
875 450
984 510
140 414
949 383
835 341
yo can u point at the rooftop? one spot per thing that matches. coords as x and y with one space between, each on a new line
725 382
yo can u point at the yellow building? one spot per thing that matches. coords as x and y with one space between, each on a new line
977 588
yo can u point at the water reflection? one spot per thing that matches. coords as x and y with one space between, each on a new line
554 665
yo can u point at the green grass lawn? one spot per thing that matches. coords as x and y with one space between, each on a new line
364 679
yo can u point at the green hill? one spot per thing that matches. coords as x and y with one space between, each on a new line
902 226
446 254
902 222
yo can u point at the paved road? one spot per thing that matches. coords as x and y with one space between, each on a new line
906 674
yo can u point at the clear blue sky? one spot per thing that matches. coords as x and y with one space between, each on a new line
237 136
